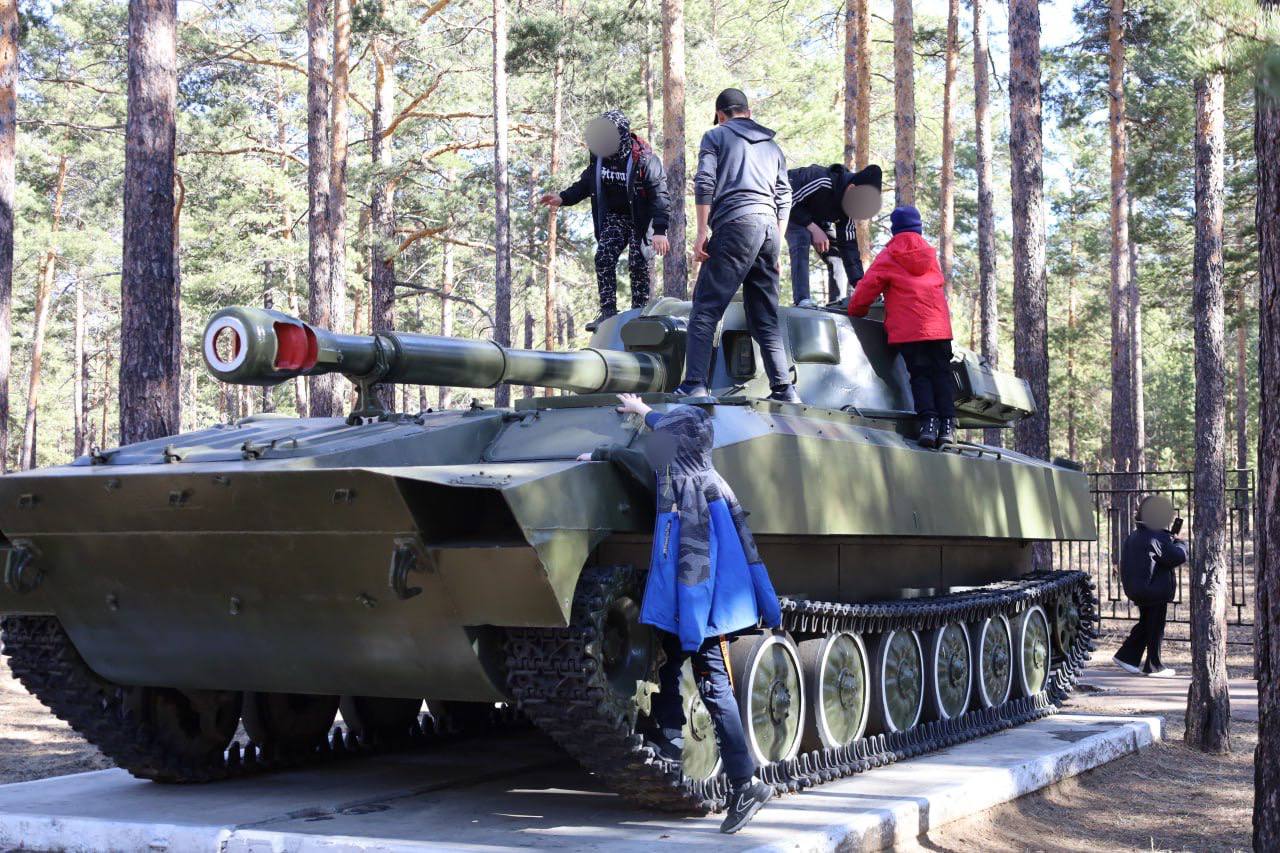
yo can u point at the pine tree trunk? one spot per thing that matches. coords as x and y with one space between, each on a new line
862 147
501 194
1208 703
528 344
648 78
1124 449
553 231
1030 296
947 184
382 269
675 266
40 322
1242 411
1266 146
80 377
1136 369
446 303
149 376
8 136
904 104
988 297
340 120
851 83
322 392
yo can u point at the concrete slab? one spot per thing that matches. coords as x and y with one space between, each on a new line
518 793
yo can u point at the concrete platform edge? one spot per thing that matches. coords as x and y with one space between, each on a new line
902 821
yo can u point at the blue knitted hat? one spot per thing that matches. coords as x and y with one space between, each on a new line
905 218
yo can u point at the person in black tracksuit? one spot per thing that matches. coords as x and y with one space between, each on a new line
1148 559
628 192
820 218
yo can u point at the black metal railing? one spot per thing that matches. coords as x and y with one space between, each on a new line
1115 504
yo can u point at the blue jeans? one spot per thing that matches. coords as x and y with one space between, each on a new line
710 671
743 253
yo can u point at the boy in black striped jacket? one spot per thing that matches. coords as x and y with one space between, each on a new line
826 202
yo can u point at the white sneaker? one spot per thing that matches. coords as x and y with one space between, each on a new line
1167 672
1128 667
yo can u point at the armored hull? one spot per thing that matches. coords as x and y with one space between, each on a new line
274 568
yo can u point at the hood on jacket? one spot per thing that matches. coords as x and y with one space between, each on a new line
623 124
912 252
749 129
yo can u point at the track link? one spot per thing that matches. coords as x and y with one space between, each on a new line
558 680
43 658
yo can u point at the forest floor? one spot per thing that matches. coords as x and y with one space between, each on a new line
1166 797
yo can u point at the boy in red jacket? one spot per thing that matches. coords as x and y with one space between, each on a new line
917 320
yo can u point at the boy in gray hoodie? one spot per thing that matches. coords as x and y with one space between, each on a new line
743 199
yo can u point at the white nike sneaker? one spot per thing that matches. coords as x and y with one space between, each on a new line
1166 672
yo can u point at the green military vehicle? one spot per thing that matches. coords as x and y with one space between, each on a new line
270 572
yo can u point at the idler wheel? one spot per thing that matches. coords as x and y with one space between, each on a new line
194 726
993 652
1031 668
375 719
897 667
289 722
835 671
766 672
950 671
1066 623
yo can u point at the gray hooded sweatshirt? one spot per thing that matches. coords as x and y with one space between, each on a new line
741 170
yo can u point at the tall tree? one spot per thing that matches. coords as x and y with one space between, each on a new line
1124 426
323 398
446 302
1030 295
553 232
501 193
675 266
382 211
1208 716
40 322
862 147
904 104
1266 146
946 182
987 296
339 123
1242 401
80 379
149 375
8 138
851 11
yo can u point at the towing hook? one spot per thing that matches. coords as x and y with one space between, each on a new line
21 574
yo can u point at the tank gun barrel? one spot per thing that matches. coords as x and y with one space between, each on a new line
257 346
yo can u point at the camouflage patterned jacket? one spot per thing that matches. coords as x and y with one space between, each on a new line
705 575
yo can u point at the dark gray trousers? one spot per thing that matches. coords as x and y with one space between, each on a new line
743 253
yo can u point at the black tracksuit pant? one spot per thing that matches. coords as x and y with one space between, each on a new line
711 672
617 235
743 253
932 385
1146 636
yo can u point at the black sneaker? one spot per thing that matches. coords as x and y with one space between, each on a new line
743 804
947 435
785 394
691 389
604 315
928 432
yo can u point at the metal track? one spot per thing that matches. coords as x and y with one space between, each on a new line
558 680
43 658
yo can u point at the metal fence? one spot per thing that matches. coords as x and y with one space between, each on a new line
1115 504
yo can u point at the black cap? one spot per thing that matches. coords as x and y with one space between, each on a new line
731 99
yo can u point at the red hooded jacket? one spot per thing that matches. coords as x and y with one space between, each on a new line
915 306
